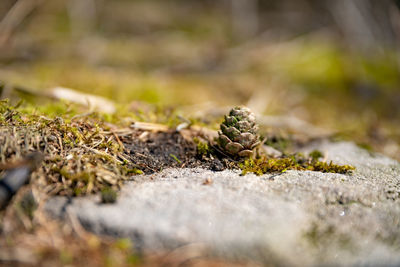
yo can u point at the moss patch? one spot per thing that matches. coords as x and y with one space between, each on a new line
264 165
108 195
83 154
203 149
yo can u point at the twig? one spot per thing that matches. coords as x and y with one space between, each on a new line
104 154
147 126
118 140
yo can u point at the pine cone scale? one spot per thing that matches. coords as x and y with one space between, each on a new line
234 148
245 153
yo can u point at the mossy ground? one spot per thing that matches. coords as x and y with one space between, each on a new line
85 154
264 165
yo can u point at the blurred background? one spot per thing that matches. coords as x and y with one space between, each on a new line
335 64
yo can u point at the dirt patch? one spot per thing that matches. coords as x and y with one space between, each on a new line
155 151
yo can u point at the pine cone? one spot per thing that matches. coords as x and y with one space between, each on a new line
238 135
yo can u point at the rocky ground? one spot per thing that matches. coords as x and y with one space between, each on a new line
295 218
125 98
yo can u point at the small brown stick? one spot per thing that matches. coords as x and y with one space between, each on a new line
104 154
118 140
147 126
61 146
99 142
122 157
82 115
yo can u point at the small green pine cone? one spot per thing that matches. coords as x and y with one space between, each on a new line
238 135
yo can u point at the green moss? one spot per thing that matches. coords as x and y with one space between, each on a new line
108 195
295 162
279 143
133 171
315 155
330 167
264 165
203 149
82 155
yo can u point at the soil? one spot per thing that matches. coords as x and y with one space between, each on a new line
155 151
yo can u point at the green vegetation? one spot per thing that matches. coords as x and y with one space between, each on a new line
315 155
83 154
203 149
264 165
175 158
108 195
279 143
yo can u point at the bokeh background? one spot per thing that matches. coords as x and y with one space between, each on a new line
335 64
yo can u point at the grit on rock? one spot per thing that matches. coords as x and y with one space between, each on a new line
295 218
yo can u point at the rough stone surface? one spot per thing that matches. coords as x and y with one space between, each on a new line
295 218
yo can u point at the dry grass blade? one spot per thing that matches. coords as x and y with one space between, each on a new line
147 126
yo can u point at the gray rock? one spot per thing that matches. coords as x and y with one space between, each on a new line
294 218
